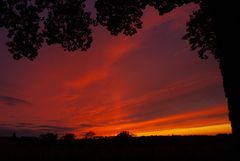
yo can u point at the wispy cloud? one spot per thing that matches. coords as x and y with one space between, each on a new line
199 118
112 54
54 128
13 101
29 129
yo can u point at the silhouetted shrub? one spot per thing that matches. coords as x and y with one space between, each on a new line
89 135
125 135
69 137
49 137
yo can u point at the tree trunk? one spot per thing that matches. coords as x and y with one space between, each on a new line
225 18
231 81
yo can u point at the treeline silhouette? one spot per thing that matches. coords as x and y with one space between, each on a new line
122 147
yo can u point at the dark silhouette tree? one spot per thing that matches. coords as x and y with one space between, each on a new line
67 24
22 20
30 22
214 29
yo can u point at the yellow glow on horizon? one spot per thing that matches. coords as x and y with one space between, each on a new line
205 130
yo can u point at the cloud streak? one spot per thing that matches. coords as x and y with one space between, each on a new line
29 129
13 101
187 120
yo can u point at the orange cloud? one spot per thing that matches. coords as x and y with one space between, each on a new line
112 53
188 121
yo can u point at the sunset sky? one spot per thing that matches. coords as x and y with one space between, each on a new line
148 84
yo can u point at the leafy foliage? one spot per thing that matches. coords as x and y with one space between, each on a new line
200 32
31 22
120 16
21 18
165 6
66 22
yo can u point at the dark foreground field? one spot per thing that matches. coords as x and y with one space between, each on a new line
172 148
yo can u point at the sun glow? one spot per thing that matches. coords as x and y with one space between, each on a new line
205 130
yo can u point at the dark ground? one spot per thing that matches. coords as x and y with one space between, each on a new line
161 148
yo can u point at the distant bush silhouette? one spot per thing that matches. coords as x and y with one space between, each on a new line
151 148
69 137
89 135
49 137
125 135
